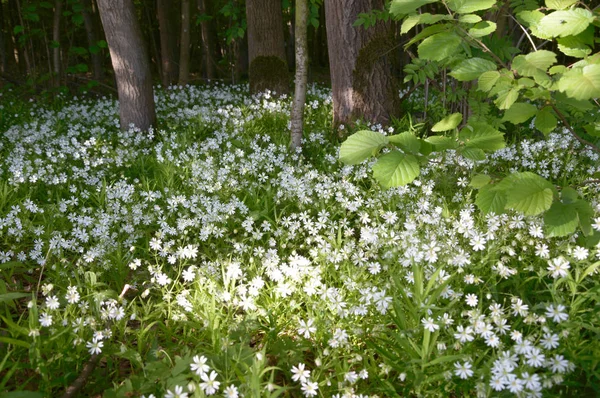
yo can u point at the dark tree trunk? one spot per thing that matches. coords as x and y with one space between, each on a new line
130 62
208 43
58 5
184 48
168 41
266 49
92 38
3 46
361 64
297 114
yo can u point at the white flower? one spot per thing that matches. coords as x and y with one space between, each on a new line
464 334
299 373
95 347
231 392
557 313
471 300
429 324
210 385
72 295
580 253
463 370
177 393
52 302
45 319
199 365
306 328
351 377
558 267
310 388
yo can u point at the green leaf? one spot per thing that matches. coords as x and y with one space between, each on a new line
491 200
469 18
439 46
407 141
482 29
12 296
532 19
440 142
472 68
474 154
533 63
559 4
20 343
480 180
581 83
448 123
561 219
18 29
528 193
482 136
569 195
545 120
487 80
585 212
519 112
425 18
573 46
566 23
469 6
362 145
507 98
402 7
22 394
394 169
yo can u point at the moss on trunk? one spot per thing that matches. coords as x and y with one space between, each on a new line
269 73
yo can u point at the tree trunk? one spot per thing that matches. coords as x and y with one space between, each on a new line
25 52
208 44
184 54
130 62
297 114
168 42
361 64
92 39
266 49
58 5
3 52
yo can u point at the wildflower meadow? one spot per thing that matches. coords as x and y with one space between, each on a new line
204 258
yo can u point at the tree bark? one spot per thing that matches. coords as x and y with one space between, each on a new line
297 114
168 42
92 38
130 62
184 54
361 64
266 49
208 44
3 53
58 5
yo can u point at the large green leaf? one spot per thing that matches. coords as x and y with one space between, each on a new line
581 83
559 4
528 193
407 141
507 98
425 18
469 18
585 212
475 154
362 145
480 180
482 29
487 80
401 7
394 169
491 200
561 219
439 46
545 120
472 69
482 136
573 46
566 22
533 63
448 123
519 112
532 19
469 6
440 142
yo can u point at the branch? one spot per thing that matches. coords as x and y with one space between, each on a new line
587 182
81 380
568 126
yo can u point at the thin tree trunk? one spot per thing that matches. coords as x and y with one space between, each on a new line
184 49
25 52
92 38
58 5
3 55
208 45
297 114
361 64
168 42
130 62
266 50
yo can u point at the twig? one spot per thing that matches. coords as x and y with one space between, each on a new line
526 34
568 126
81 380
587 182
